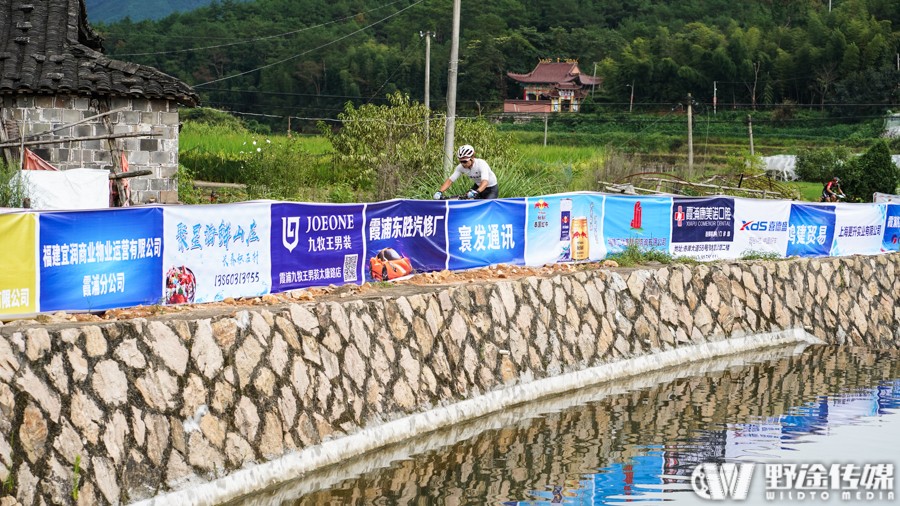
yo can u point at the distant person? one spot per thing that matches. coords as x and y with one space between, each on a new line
484 182
831 192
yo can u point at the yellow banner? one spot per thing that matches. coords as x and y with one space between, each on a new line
18 264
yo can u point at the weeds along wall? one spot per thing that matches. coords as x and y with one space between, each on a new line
97 260
131 409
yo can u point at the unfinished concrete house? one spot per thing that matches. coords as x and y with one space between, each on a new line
63 100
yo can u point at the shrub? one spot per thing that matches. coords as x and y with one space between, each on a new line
820 165
873 171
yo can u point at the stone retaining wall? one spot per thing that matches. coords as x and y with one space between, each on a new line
140 407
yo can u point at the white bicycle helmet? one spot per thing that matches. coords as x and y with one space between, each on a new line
465 152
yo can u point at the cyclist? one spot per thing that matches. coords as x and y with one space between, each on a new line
484 181
832 190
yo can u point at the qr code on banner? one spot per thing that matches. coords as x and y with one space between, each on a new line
350 262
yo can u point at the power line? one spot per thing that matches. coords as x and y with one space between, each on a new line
257 39
279 62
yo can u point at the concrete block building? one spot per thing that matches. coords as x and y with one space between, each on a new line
63 99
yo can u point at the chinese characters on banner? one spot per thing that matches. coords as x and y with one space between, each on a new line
95 260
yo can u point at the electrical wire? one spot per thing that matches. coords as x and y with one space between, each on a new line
279 62
256 39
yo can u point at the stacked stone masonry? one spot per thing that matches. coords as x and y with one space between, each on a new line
147 406
158 151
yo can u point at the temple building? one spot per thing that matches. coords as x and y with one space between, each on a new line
551 87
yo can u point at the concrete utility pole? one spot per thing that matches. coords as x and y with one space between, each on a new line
690 114
750 130
427 35
715 97
450 126
546 117
631 101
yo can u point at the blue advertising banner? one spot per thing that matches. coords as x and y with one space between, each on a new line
642 221
316 245
891 240
405 236
485 232
702 228
810 230
564 228
100 259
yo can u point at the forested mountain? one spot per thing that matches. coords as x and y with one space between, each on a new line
307 58
138 10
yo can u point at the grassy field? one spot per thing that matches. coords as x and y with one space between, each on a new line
575 154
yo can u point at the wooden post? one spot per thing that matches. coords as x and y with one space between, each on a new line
4 138
115 156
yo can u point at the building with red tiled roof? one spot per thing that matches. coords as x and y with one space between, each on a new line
551 87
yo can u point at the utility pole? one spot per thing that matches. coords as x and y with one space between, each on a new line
750 130
545 128
715 97
427 35
690 114
450 125
594 75
631 101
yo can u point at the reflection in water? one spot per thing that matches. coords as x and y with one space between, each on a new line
619 443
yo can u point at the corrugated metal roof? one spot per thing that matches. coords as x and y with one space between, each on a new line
48 47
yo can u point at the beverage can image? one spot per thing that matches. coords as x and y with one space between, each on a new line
565 224
580 244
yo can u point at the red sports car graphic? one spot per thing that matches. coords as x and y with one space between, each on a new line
388 265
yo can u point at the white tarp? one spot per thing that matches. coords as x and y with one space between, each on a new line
884 198
67 189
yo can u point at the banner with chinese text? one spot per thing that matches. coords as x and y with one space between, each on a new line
216 252
563 228
316 245
95 260
702 228
760 226
810 230
858 229
18 278
485 232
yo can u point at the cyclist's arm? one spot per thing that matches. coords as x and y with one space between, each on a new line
449 181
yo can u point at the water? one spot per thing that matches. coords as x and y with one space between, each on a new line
639 440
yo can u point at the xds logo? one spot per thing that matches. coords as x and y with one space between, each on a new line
756 226
718 482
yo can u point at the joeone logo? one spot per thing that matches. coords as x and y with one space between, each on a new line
718 482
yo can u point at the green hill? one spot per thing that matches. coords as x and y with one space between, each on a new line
275 59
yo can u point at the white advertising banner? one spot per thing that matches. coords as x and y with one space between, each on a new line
858 229
760 226
566 227
215 252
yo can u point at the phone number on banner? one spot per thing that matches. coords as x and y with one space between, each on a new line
237 278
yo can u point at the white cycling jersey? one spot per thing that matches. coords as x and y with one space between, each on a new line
478 172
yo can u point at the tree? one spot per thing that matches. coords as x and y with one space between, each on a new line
876 172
